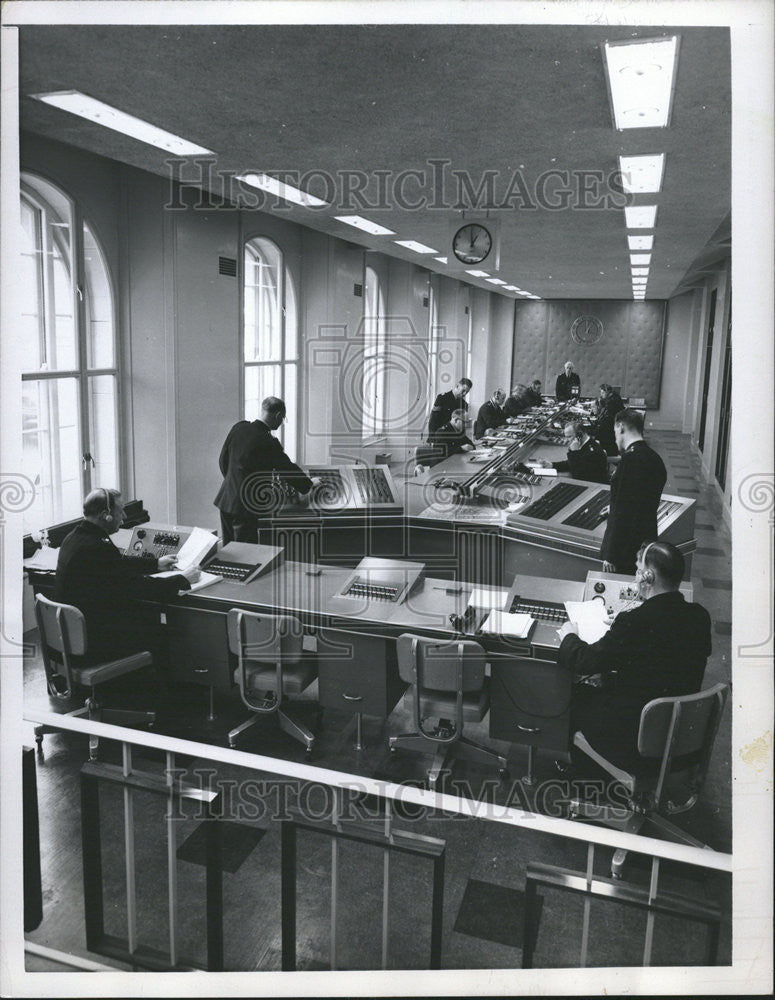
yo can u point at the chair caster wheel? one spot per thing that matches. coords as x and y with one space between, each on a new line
616 875
503 774
232 745
392 749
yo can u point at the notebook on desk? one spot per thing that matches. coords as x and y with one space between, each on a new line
507 624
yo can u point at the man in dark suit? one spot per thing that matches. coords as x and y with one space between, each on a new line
636 489
659 649
586 459
609 404
518 401
567 381
446 403
249 460
490 414
534 392
96 578
452 436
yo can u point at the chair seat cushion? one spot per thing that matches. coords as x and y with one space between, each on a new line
102 672
441 704
296 676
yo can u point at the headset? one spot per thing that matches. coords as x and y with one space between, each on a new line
647 575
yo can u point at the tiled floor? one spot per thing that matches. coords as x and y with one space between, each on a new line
485 861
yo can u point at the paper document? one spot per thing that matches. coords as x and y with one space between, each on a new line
205 580
541 471
195 548
487 599
591 618
44 559
504 623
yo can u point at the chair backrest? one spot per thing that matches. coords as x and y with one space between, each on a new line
62 627
265 638
689 722
429 454
435 665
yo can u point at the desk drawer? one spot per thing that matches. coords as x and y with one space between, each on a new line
358 673
530 704
198 647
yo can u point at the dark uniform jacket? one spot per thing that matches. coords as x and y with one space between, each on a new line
93 576
250 452
589 463
516 404
444 406
449 439
564 386
489 415
636 489
533 397
603 428
657 650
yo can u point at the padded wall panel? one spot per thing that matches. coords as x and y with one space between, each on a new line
629 352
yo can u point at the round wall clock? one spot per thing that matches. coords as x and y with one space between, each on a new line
472 243
586 330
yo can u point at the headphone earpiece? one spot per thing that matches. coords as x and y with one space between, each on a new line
107 513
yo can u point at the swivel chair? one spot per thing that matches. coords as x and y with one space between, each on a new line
271 662
448 684
675 736
429 455
64 643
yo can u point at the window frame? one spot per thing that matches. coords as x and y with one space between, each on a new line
374 424
81 373
283 361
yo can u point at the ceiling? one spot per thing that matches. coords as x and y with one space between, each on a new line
516 100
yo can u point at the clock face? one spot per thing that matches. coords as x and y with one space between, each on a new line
586 330
472 243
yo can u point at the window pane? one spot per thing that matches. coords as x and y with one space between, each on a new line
261 381
291 320
30 278
62 353
263 296
287 430
103 443
98 305
51 450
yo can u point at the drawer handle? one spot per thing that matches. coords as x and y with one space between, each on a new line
201 670
528 729
352 697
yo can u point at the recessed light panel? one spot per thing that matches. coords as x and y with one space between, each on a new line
104 114
640 259
281 190
640 216
478 274
414 246
642 174
496 281
640 81
441 260
639 270
364 224
640 242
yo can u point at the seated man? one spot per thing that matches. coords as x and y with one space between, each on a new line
659 649
534 392
518 401
586 458
446 403
452 436
609 404
490 414
96 578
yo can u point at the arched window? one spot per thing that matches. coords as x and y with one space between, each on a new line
374 355
270 336
434 339
69 368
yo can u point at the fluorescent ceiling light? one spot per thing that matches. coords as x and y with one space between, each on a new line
365 224
441 260
640 259
512 288
640 216
478 274
640 242
416 247
496 281
639 281
639 270
533 296
639 285
281 190
640 81
642 174
103 114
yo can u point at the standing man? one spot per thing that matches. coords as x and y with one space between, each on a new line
490 414
635 492
659 649
96 578
609 404
249 458
446 403
586 459
568 384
